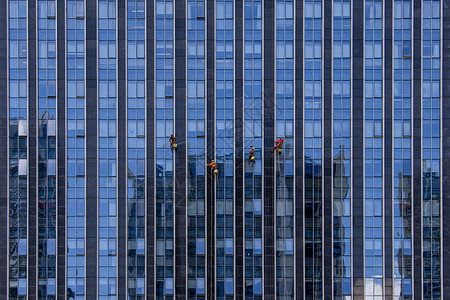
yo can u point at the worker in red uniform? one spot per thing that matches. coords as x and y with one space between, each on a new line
173 144
213 167
251 156
278 145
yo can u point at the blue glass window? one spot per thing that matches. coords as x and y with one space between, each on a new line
196 143
224 180
373 179
164 29
402 114
342 124
17 164
136 143
284 124
313 147
431 156
107 143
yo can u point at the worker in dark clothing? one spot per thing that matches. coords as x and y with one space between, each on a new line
251 156
278 145
173 144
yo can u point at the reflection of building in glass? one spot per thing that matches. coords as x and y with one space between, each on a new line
341 224
431 229
313 227
403 235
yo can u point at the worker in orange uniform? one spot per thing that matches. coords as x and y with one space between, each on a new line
173 144
213 167
251 156
278 145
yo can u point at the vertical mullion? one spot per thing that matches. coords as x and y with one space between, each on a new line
445 143
299 153
269 289
417 147
180 202
150 151
327 159
4 169
32 150
388 149
61 144
358 149
91 150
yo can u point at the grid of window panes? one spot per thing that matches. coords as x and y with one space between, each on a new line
224 149
164 155
313 148
402 150
431 87
136 148
284 162
46 149
107 152
196 149
75 148
342 149
373 179
17 196
253 138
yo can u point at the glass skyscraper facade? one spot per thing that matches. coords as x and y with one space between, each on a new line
312 156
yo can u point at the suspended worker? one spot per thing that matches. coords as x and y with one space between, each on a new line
173 144
251 156
278 145
213 167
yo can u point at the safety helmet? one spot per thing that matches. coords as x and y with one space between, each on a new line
253 148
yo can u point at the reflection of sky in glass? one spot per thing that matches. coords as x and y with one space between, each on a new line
107 153
402 150
75 148
342 147
431 163
253 138
224 147
136 147
373 179
196 148
46 53
313 147
17 84
284 168
164 158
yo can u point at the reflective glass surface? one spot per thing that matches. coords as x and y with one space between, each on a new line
313 148
136 148
342 149
164 155
46 26
253 179
224 180
75 148
373 146
284 162
107 152
402 133
431 162
18 164
196 104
